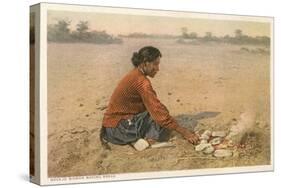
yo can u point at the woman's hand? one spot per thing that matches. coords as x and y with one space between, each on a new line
191 137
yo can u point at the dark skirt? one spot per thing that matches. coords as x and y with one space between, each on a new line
130 130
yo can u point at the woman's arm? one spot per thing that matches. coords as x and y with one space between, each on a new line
191 137
160 113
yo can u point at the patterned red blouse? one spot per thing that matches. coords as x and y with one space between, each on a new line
134 94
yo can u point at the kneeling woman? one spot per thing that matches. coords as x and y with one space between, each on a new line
134 111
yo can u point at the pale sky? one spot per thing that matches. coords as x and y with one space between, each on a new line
124 24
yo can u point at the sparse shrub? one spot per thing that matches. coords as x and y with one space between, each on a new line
60 32
245 49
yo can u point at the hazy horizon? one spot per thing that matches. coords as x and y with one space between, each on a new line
120 24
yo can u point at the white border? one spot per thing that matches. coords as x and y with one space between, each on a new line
43 95
36 125
153 12
272 53
44 7
154 175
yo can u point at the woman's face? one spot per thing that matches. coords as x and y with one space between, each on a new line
151 68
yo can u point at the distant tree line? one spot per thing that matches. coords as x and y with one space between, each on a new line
238 38
144 35
60 32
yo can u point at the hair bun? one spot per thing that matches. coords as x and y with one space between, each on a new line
136 54
136 59
145 54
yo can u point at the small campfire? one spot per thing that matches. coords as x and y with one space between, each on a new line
225 143
215 143
218 143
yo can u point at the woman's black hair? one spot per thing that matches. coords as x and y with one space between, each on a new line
145 54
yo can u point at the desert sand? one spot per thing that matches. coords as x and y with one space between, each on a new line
223 79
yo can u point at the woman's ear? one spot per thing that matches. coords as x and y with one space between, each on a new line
145 64
142 65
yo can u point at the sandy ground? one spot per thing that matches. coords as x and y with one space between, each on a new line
193 78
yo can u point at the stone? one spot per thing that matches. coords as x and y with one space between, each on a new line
207 132
204 137
223 153
218 134
221 146
163 145
203 142
141 145
230 143
208 150
201 147
216 141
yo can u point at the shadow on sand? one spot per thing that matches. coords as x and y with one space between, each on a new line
190 121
